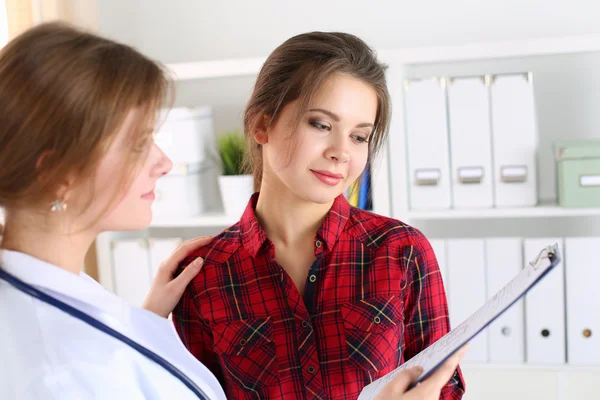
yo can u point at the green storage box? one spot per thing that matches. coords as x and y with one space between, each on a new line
578 173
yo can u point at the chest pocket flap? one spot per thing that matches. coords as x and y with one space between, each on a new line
241 337
374 329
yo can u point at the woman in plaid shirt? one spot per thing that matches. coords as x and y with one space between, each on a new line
307 297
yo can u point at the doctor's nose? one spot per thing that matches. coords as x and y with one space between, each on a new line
163 164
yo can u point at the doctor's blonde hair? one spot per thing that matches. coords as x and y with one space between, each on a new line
64 94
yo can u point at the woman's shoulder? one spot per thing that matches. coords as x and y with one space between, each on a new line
378 230
219 249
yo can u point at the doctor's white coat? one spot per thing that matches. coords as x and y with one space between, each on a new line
48 354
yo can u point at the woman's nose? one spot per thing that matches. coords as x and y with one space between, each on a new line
337 152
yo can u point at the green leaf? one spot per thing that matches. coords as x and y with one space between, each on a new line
231 146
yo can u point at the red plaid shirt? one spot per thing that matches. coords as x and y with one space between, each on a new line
373 299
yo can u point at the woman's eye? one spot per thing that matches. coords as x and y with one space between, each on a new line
360 139
319 125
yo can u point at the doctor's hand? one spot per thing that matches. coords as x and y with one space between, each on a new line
166 291
429 389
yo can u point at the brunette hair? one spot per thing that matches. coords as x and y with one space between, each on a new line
297 69
64 94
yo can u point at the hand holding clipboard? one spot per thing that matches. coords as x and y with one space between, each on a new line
435 355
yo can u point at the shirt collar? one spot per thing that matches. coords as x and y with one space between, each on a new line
334 223
253 236
51 278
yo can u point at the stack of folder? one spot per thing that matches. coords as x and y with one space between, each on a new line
557 323
471 142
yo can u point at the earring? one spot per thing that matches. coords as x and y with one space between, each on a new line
58 205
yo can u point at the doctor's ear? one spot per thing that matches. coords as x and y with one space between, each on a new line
60 187
260 131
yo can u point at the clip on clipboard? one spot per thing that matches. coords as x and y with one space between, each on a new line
435 355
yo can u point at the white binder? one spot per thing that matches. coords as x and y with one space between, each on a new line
160 250
131 270
514 138
466 280
583 301
439 248
506 335
470 142
427 144
545 311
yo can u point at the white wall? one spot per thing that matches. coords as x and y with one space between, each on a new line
193 30
196 30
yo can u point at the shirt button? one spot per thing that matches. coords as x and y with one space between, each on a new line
311 370
377 320
305 324
312 278
318 244
243 342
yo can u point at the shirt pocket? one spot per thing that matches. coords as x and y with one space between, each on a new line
374 329
247 355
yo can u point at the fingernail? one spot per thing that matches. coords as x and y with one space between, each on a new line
197 263
418 370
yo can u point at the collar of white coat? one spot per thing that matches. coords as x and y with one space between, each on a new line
49 277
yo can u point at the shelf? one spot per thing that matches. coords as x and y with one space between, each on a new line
542 211
530 367
216 68
208 220
472 51
217 219
497 49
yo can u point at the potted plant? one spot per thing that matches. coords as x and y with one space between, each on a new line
235 185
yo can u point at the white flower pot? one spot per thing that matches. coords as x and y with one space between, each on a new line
236 191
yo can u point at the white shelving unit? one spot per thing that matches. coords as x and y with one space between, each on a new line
417 55
208 220
494 381
390 187
216 69
541 211
401 60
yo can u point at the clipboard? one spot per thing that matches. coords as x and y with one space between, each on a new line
435 355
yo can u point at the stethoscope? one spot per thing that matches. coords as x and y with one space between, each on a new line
38 294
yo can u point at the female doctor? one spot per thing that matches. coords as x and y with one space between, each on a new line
77 157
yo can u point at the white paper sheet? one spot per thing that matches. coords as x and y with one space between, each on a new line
433 356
